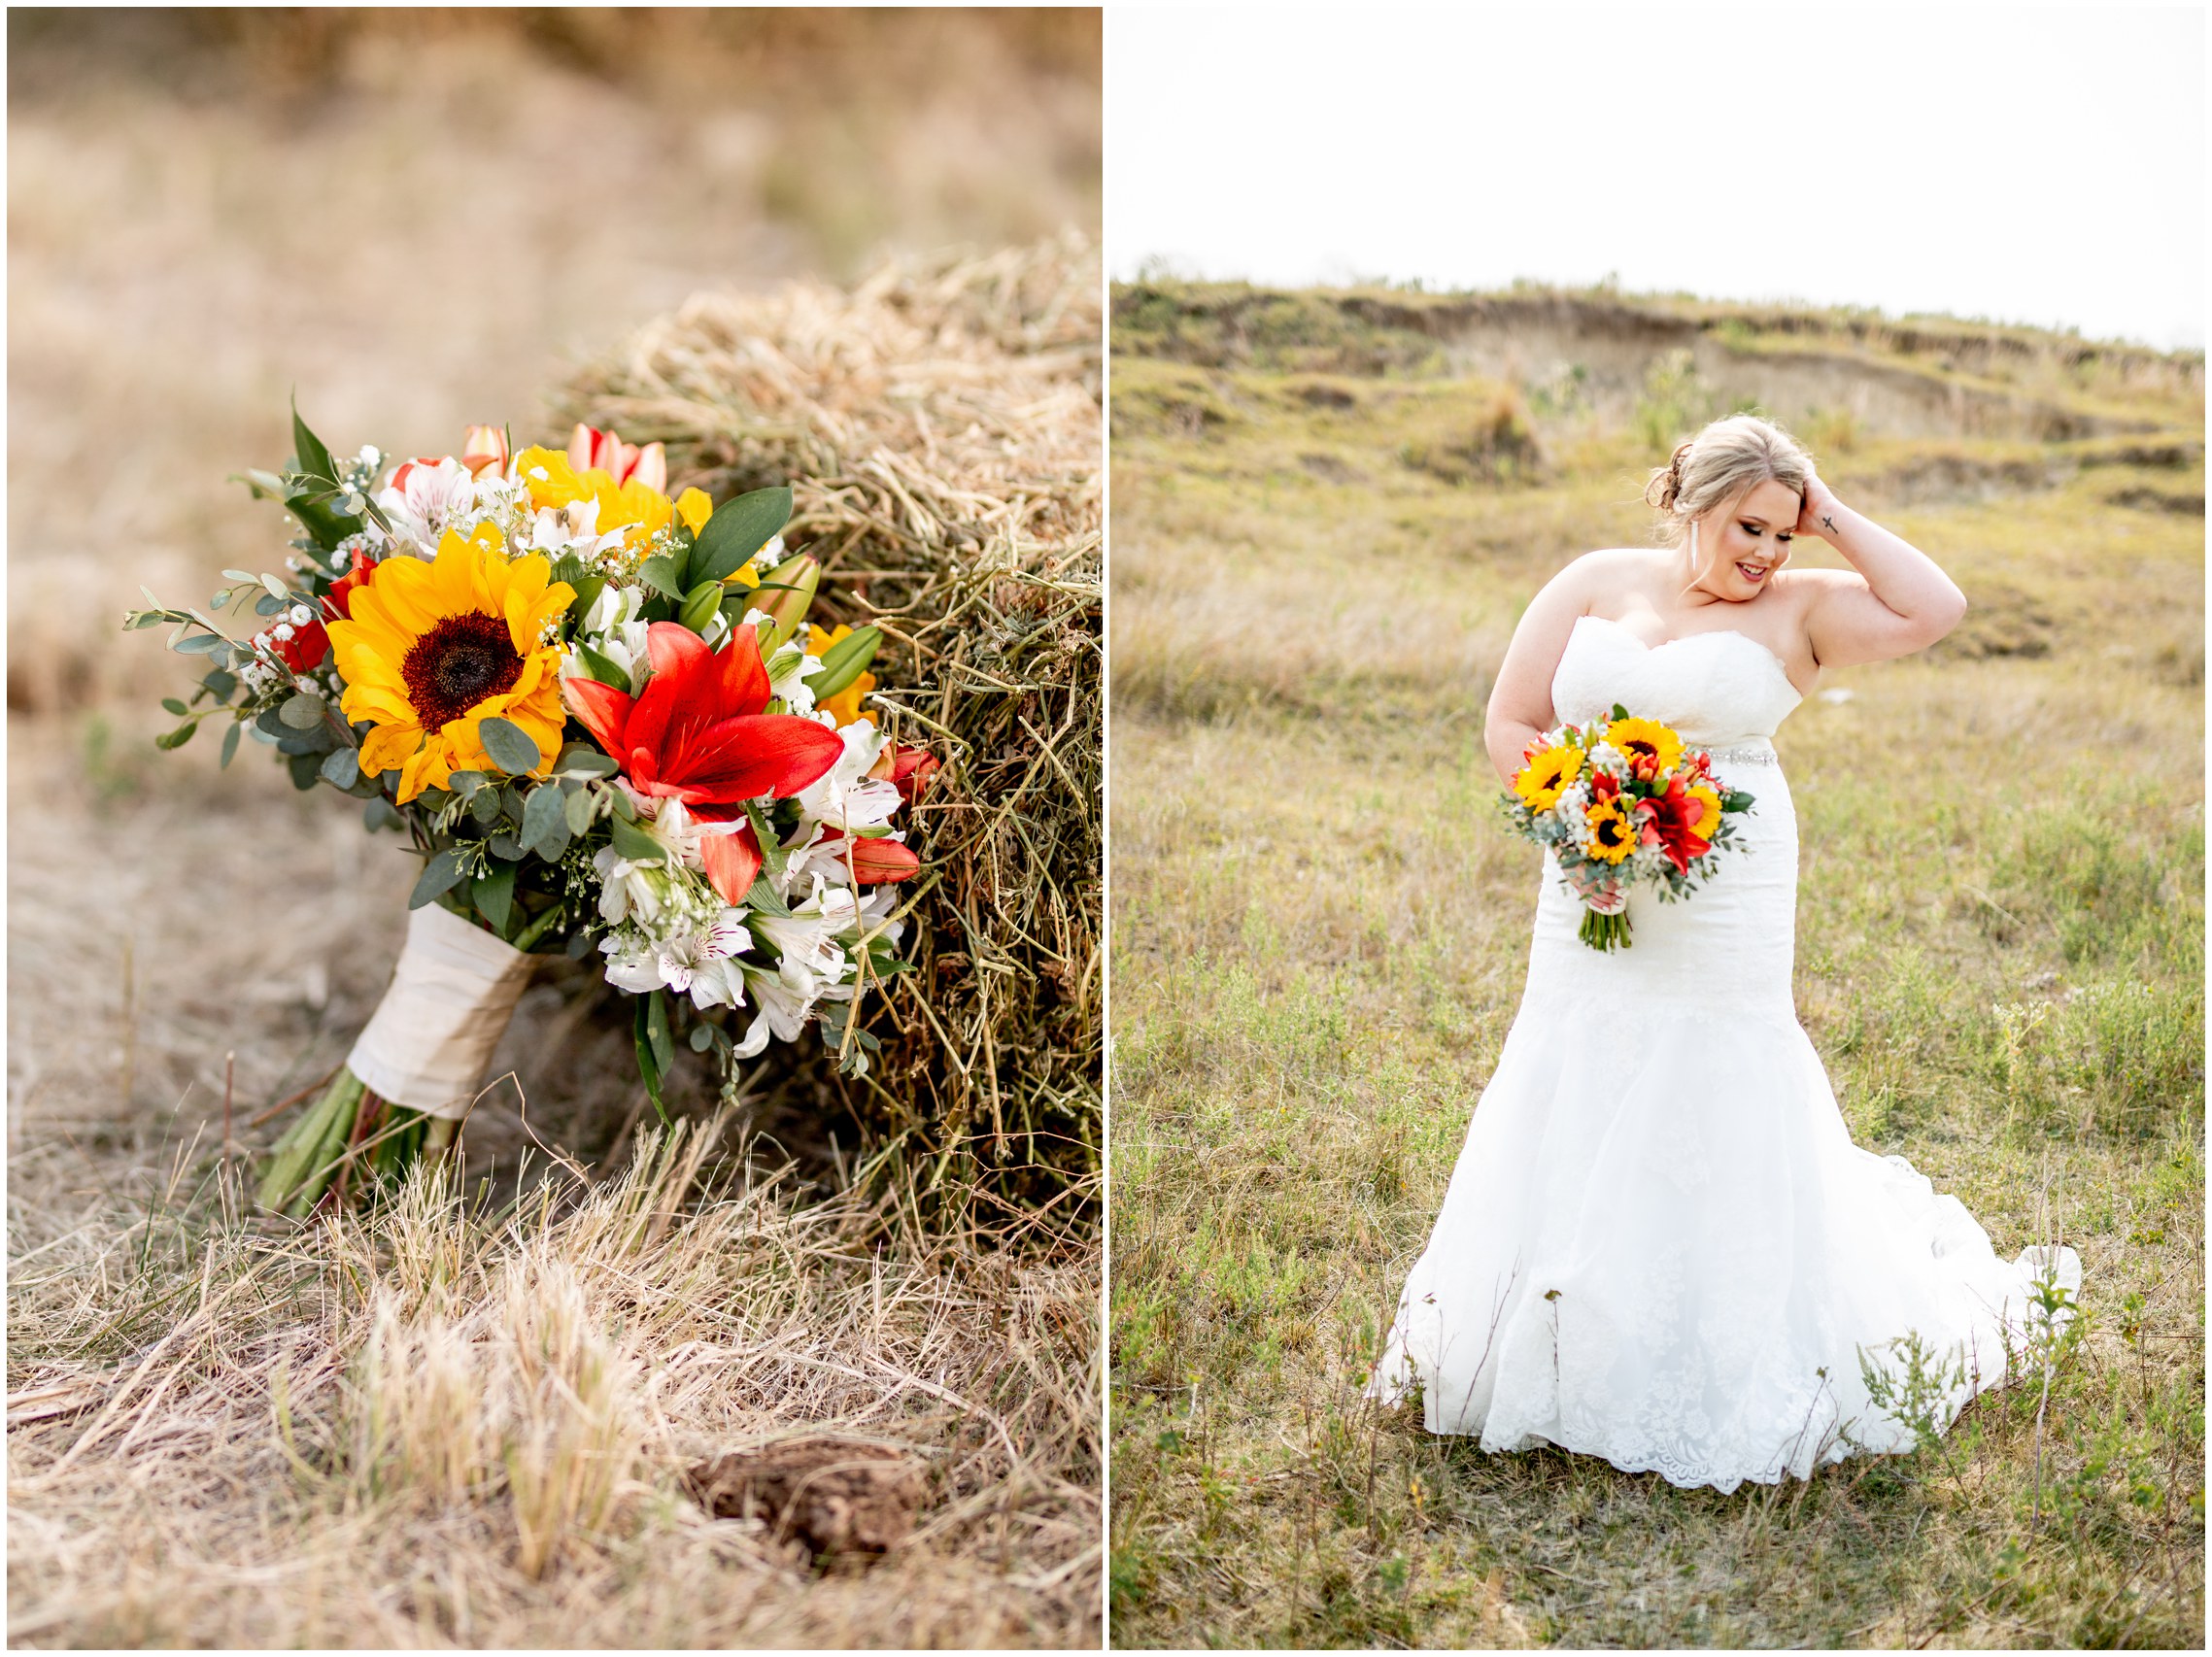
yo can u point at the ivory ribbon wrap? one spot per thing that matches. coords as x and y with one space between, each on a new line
452 994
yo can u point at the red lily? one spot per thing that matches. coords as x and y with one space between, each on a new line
698 734
1672 814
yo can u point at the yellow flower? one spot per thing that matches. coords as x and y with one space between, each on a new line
1708 810
846 706
695 508
434 648
1637 738
1612 836
1543 778
636 508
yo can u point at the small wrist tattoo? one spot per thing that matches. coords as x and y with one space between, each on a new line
1829 524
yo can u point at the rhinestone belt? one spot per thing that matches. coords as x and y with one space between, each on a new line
1745 753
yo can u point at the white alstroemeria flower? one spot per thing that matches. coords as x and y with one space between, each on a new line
672 822
628 890
845 796
784 1008
572 529
424 500
612 627
808 938
695 963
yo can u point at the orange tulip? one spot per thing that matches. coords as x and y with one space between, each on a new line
485 450
589 449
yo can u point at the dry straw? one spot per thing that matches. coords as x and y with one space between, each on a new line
939 425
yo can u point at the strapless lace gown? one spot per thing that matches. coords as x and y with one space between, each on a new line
1660 1245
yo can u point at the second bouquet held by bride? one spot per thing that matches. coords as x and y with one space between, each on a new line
601 716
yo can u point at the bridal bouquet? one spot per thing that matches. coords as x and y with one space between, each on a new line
604 722
1622 803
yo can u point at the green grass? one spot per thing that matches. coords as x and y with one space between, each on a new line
1320 936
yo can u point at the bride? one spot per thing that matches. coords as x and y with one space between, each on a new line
1660 1245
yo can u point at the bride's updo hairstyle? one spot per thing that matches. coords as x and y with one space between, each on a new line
1727 459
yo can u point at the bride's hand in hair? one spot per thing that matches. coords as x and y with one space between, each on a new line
1817 515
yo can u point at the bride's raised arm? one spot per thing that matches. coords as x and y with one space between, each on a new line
1521 699
1899 601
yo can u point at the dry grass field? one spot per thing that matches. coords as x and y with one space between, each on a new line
1328 507
467 1420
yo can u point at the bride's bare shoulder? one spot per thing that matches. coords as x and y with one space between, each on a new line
1608 571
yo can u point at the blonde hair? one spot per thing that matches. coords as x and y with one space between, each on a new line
1726 460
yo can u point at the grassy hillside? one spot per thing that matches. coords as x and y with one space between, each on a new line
1328 510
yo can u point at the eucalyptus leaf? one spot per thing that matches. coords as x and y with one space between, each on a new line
483 806
173 705
342 768
542 820
302 712
493 895
306 770
230 743
506 846
578 810
510 746
465 783
440 875
578 761
702 1037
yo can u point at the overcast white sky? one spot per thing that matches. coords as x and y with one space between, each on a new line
2042 166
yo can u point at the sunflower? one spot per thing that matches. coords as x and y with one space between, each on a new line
1544 777
1641 738
1612 836
433 648
1708 811
846 706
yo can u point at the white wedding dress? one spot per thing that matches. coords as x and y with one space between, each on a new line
1660 1245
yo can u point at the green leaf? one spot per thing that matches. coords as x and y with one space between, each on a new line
440 875
648 1068
302 712
656 1030
200 644
587 588
771 842
847 659
306 770
230 743
175 706
510 746
568 567
343 768
542 822
579 760
493 895
314 459
603 668
765 900
702 1037
465 783
738 529
483 806
660 573
578 810
177 738
634 844
618 801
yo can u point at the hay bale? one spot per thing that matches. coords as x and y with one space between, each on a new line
939 425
